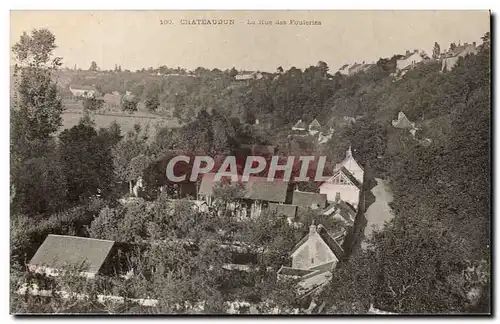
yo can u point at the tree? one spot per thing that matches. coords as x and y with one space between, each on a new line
36 108
93 104
233 72
436 52
93 66
129 104
81 146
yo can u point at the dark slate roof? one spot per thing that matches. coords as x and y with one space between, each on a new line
58 251
283 209
307 199
330 241
350 177
343 209
327 238
256 188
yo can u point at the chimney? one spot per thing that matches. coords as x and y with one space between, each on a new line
337 197
407 52
474 44
312 228
348 153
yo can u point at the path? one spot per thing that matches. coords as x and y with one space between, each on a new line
379 211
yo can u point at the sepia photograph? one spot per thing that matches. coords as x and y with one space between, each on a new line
244 162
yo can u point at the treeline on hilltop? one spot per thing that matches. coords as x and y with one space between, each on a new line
433 257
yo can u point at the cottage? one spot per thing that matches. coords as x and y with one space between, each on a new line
314 258
309 199
352 166
256 194
249 75
451 58
299 126
59 251
403 122
342 186
83 91
314 127
410 58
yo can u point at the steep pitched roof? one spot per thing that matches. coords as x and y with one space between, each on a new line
300 125
308 199
342 209
402 121
315 124
327 238
343 172
61 250
283 209
347 158
256 188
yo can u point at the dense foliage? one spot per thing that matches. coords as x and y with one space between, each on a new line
432 257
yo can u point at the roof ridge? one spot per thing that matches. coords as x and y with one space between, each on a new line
82 237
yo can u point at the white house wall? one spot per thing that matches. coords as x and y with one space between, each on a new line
348 193
312 253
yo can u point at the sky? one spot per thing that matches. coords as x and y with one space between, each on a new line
137 39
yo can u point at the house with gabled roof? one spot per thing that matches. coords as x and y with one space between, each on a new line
342 211
410 59
299 126
313 258
342 186
352 166
451 57
314 127
403 122
80 90
60 251
256 195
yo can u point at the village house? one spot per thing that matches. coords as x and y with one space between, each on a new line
299 126
403 122
346 182
313 258
352 166
257 193
410 59
314 127
83 91
342 186
248 75
351 69
451 58
60 251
